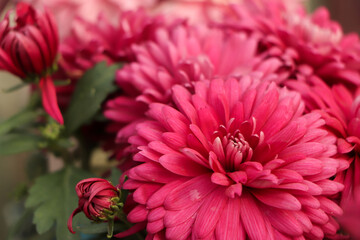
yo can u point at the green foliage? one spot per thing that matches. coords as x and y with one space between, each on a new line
20 119
115 176
53 198
91 90
18 142
36 166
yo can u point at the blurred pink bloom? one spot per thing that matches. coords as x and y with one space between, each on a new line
91 43
66 11
302 44
236 159
340 109
28 50
351 218
96 197
178 55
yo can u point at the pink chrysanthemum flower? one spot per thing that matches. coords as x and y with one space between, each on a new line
236 159
299 43
178 55
92 43
66 11
341 110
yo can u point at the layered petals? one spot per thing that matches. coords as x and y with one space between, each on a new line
266 179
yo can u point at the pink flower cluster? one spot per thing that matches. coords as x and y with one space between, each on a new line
240 121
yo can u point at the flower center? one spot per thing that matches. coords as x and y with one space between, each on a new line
232 153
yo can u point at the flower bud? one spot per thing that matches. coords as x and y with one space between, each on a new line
30 47
98 199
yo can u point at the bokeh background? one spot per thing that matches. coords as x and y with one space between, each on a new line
12 176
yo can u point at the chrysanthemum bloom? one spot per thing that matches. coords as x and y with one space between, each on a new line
236 159
340 109
98 199
28 50
91 43
179 55
66 11
303 44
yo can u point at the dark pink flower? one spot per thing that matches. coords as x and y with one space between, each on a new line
181 54
97 199
340 109
236 159
29 49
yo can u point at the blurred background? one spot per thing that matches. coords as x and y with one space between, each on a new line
12 168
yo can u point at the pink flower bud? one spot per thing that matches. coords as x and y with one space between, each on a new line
29 47
98 199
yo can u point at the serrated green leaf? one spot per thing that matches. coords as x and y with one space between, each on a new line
53 197
91 90
17 120
17 143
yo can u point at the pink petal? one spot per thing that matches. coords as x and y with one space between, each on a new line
138 214
156 214
180 231
278 199
253 218
284 222
190 192
174 218
143 192
229 225
330 207
158 198
49 99
156 226
209 213
181 165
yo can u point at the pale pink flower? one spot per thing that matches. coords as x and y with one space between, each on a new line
236 159
180 54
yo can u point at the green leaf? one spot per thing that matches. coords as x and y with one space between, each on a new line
19 119
36 166
62 82
53 197
115 176
17 143
91 90
14 88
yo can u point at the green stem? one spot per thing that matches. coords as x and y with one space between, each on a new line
110 228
